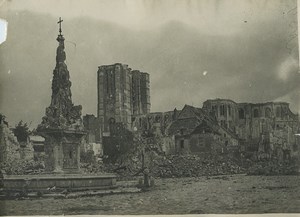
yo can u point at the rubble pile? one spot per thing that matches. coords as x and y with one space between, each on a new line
178 166
11 162
193 166
9 146
272 167
22 167
92 168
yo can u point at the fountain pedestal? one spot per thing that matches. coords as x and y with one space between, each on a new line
62 148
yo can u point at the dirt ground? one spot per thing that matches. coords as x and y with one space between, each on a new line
219 194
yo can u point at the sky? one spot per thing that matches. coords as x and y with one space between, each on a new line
194 50
3 30
212 16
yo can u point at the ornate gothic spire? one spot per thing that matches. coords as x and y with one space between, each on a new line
61 113
60 53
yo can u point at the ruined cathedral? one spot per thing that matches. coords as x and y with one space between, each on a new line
221 125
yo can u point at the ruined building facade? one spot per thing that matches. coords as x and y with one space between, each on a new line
264 127
249 120
122 94
221 125
195 131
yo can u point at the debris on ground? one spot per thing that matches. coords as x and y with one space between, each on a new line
272 167
194 166
23 167
203 165
181 166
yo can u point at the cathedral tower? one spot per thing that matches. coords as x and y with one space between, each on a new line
114 96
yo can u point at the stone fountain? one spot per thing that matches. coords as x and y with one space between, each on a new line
62 125
63 131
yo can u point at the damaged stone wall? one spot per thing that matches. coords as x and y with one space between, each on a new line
10 155
154 125
93 139
193 144
92 127
168 145
9 146
251 121
283 143
26 151
38 144
197 130
156 122
203 141
224 110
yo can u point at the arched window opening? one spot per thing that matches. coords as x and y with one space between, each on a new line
267 112
241 114
278 112
255 113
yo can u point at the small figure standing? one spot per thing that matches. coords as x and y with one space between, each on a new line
146 177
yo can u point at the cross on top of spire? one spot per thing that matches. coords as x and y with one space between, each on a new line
59 22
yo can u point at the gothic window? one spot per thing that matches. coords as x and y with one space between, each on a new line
285 110
107 84
267 112
214 110
241 113
222 110
255 113
181 144
229 110
278 112
110 83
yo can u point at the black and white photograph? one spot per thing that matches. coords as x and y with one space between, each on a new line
149 107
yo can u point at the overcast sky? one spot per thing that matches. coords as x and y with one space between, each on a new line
194 50
211 16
